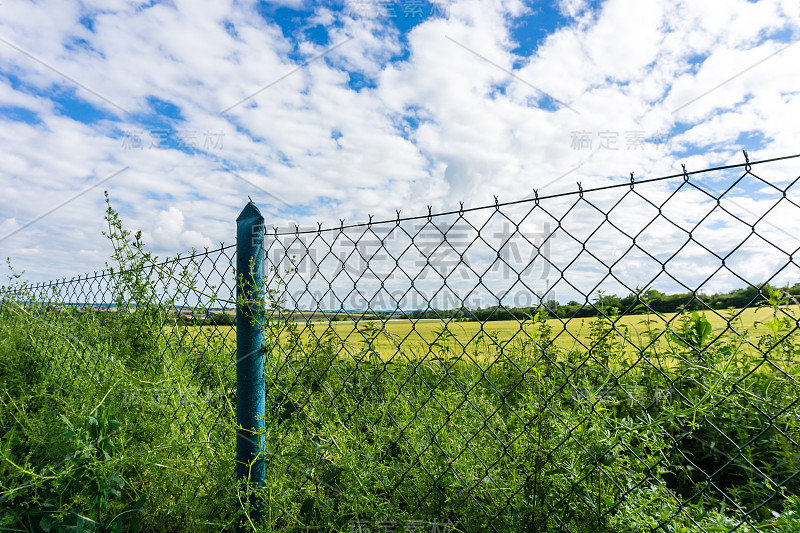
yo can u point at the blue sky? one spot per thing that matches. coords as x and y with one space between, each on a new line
336 110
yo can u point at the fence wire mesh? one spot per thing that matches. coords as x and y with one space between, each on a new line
620 359
152 347
613 359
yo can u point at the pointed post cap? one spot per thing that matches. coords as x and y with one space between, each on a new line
249 211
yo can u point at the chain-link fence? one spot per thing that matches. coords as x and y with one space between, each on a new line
616 359
143 356
621 358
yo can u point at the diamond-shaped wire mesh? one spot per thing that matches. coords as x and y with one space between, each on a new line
615 359
157 347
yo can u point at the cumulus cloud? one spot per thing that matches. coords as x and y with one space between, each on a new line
364 118
571 8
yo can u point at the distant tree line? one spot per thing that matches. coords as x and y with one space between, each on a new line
220 318
633 303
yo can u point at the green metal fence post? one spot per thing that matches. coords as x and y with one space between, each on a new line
250 294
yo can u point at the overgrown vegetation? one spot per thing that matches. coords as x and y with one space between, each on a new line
123 419
109 420
537 438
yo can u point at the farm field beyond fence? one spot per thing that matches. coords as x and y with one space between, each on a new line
429 337
119 411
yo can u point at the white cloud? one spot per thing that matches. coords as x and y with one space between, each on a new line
168 232
571 8
441 126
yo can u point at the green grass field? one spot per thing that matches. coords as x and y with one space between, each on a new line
429 337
